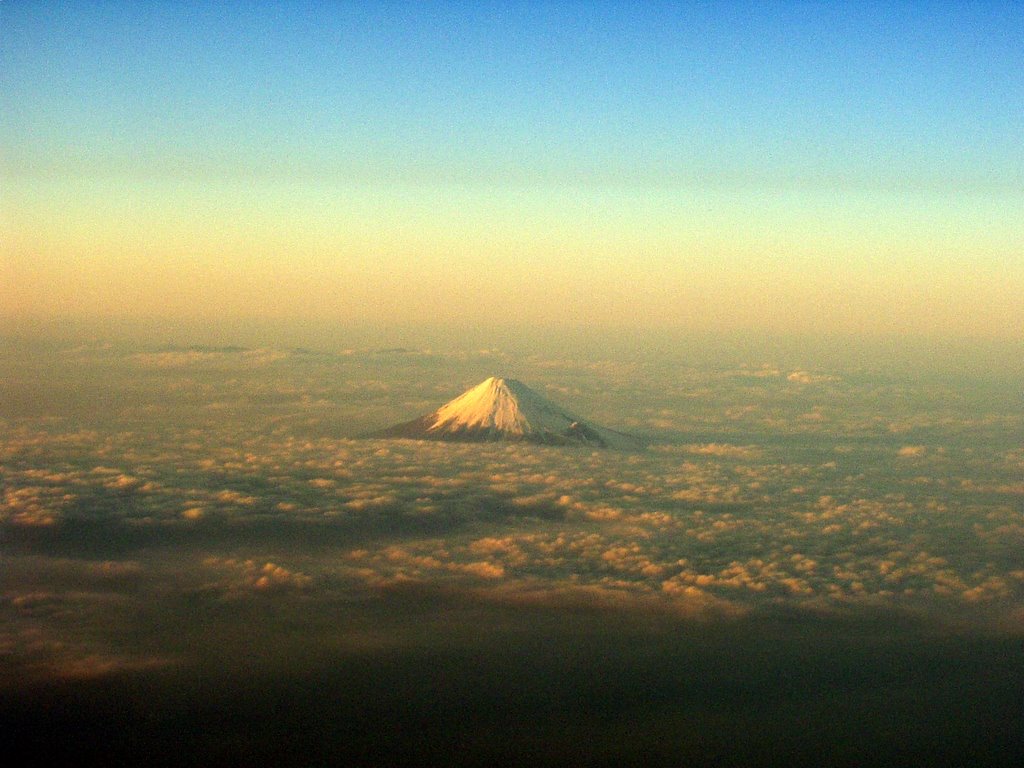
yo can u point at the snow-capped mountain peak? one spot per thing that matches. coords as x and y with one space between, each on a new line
506 409
506 405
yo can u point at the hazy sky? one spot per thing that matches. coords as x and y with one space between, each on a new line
707 167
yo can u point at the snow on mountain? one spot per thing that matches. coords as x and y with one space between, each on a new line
506 405
507 409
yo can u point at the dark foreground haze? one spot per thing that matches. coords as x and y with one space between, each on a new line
204 565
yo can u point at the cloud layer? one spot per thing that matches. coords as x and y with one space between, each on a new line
233 473
189 531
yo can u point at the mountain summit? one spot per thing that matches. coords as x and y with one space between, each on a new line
506 409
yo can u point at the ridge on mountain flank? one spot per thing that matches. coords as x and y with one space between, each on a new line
506 409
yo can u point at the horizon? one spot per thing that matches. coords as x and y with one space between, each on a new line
968 358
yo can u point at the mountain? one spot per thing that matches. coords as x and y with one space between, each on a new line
507 410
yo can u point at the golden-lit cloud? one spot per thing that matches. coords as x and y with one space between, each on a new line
228 480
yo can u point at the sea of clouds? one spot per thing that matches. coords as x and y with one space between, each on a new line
130 477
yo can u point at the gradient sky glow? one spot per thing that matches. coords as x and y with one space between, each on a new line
715 167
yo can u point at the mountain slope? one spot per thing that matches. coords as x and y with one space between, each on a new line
506 409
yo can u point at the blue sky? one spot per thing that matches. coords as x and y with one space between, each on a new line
557 93
312 138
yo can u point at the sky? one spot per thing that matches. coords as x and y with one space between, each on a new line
708 168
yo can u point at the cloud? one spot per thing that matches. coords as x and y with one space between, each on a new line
806 377
232 497
32 505
746 502
724 450
249 574
192 357
911 451
480 568
641 517
505 548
